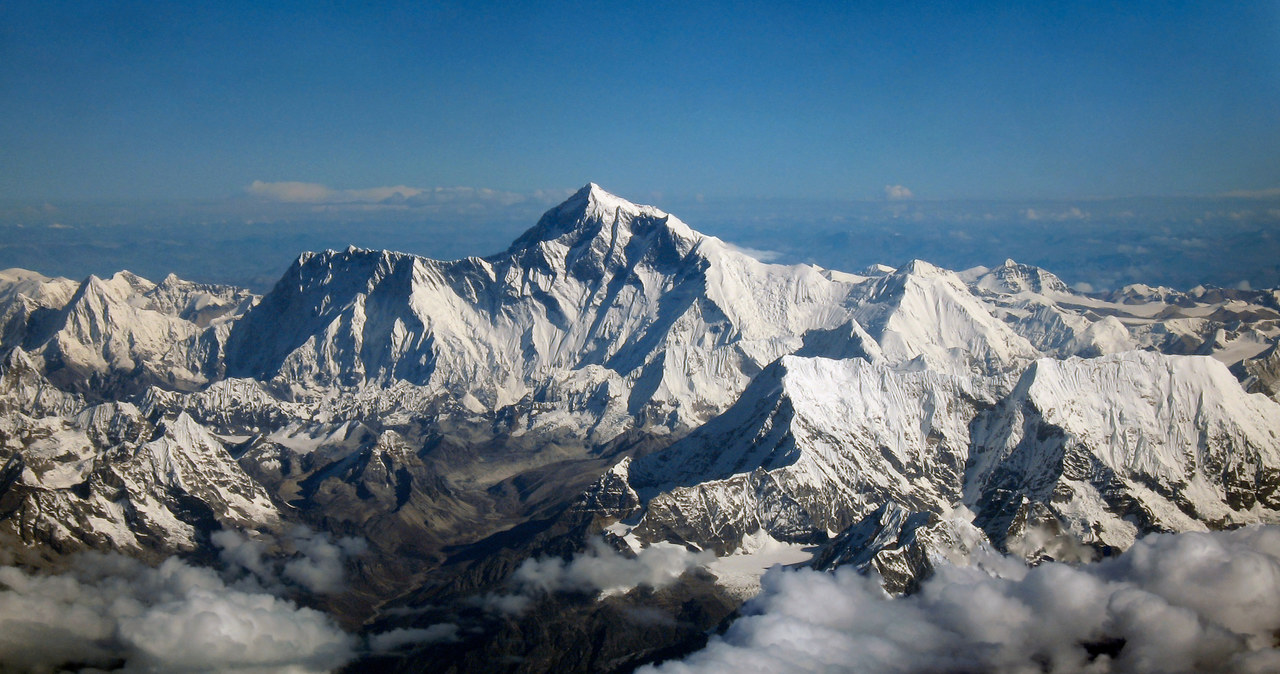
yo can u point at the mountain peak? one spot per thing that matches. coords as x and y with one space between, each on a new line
917 267
1013 277
591 213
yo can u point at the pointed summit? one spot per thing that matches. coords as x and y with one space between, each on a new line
1013 277
597 219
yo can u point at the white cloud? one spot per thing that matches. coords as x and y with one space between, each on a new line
315 193
896 192
321 563
758 254
291 192
441 633
503 602
303 557
600 569
175 617
603 569
1183 602
396 196
1072 213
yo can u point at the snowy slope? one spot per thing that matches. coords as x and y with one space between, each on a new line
812 446
106 477
925 314
682 319
1125 444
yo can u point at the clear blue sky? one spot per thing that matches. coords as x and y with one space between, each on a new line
122 100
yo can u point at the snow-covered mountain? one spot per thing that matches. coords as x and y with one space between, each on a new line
626 298
925 315
106 477
25 297
1040 307
811 447
119 335
1122 445
614 370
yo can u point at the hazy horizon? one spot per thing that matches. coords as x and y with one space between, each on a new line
1094 244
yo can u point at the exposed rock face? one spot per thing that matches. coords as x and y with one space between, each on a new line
901 546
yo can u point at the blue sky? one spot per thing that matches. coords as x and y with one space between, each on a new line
970 100
1111 142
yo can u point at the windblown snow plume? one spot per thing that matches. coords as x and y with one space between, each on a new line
1185 602
114 612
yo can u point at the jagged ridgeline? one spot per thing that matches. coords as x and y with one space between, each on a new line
615 376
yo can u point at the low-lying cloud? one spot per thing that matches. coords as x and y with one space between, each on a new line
114 612
1193 601
600 569
295 192
386 642
302 557
1065 215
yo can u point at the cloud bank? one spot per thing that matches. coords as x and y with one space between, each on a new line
386 642
113 612
1193 601
312 560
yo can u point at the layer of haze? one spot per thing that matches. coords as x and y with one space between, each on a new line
1099 244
